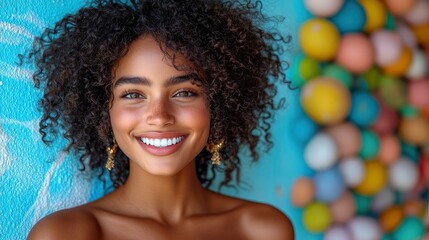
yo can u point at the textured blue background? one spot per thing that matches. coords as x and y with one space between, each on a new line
36 180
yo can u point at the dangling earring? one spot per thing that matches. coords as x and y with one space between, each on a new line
111 152
214 149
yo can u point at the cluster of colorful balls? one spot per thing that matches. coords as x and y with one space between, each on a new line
364 85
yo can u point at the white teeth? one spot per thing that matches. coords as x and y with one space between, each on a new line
161 142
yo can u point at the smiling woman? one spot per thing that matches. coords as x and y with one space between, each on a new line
167 87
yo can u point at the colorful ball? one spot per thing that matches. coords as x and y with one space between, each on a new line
393 92
401 65
403 175
317 217
387 121
399 7
344 208
303 68
324 8
414 130
414 207
407 35
303 192
355 53
338 73
347 138
388 46
383 199
329 185
372 78
419 65
338 232
421 32
419 13
321 152
390 148
319 39
363 227
370 145
411 228
326 100
365 108
352 170
391 218
375 178
350 18
363 203
418 93
376 14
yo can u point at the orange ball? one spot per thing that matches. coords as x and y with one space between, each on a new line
347 137
414 130
390 149
414 207
356 53
399 7
303 192
401 65
422 33
391 218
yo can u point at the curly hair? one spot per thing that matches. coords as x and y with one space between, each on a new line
223 40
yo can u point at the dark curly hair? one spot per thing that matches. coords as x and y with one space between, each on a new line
223 40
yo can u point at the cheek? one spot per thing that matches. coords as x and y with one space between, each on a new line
121 119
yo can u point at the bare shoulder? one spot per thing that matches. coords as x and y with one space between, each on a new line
262 221
75 223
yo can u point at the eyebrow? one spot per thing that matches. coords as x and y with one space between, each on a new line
146 82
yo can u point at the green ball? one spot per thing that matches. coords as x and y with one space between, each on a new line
317 217
363 203
411 228
390 22
393 92
409 111
339 73
372 78
303 68
370 145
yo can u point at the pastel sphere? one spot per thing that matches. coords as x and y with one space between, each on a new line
370 145
403 175
303 68
303 192
401 65
407 35
372 78
363 227
418 93
329 185
363 203
415 207
347 138
390 148
419 13
399 7
388 47
387 121
323 8
352 170
383 199
411 228
414 130
338 233
375 179
321 152
338 73
350 18
419 65
421 32
317 217
376 14
391 218
365 108
344 208
319 39
393 92
355 53
325 100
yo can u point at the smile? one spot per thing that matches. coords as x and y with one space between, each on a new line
162 142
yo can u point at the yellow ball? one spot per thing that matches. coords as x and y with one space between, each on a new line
319 38
326 100
376 14
375 178
391 218
422 33
317 217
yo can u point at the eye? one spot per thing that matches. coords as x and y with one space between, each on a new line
185 93
132 95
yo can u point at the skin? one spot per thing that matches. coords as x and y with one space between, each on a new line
162 198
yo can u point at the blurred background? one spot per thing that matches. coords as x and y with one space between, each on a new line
351 154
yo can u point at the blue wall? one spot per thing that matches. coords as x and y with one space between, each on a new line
36 180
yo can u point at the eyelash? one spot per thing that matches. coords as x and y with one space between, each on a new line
128 93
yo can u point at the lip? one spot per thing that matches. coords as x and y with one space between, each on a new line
164 151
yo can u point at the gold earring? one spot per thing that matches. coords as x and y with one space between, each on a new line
111 152
214 149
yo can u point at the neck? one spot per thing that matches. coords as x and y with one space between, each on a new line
167 199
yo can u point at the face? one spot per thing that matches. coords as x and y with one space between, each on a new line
160 118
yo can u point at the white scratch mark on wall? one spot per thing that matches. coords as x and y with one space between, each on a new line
5 157
32 125
30 17
14 34
15 72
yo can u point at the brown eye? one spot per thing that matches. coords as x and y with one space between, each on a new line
185 93
132 95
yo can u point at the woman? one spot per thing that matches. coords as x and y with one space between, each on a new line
170 89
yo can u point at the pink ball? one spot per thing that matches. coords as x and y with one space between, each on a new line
355 53
419 13
344 208
347 137
418 93
388 47
338 232
387 121
390 149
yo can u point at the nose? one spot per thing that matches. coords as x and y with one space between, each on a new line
159 113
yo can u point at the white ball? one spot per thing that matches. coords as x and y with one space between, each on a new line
383 199
388 46
419 65
323 8
419 13
364 228
353 171
321 152
338 232
403 175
